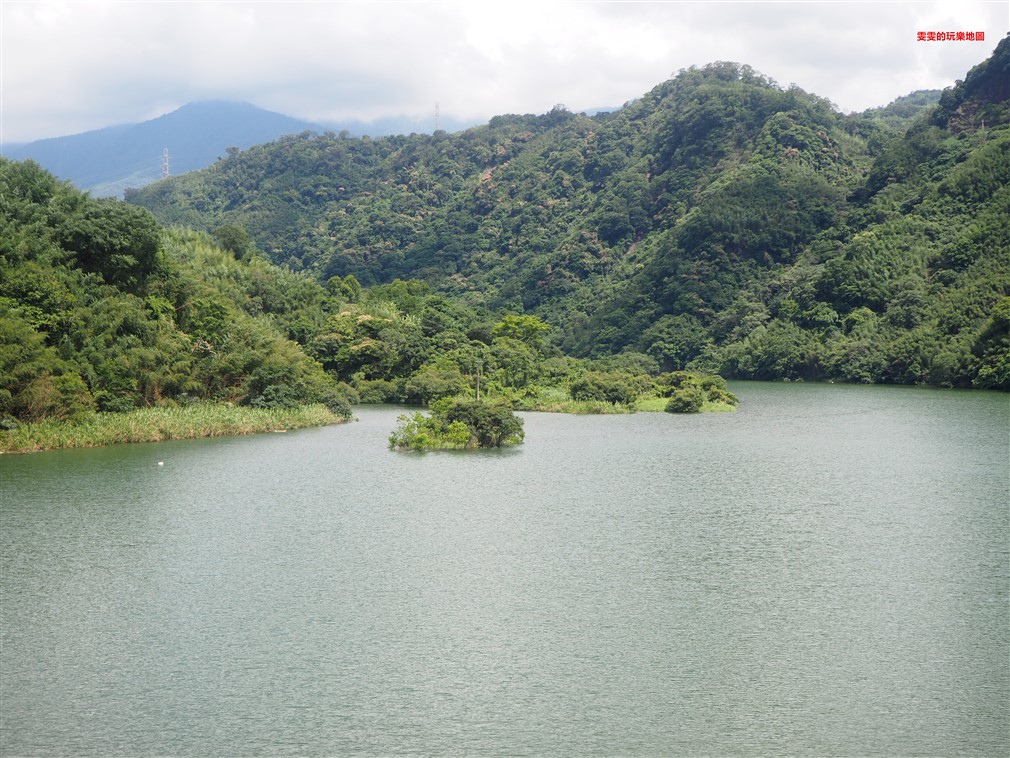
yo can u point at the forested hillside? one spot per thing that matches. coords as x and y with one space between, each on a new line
720 222
100 309
103 310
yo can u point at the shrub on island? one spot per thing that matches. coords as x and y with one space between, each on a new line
619 388
458 424
691 392
687 400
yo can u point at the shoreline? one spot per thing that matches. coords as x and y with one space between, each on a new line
160 425
602 408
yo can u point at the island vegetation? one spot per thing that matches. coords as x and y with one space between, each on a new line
457 424
103 313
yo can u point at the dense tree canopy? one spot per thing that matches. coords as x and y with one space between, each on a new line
719 223
100 309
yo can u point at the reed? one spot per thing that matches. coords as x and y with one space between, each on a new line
588 407
157 424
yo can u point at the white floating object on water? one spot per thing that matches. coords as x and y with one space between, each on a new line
161 463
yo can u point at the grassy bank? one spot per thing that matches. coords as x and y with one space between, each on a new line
658 405
157 424
573 406
558 400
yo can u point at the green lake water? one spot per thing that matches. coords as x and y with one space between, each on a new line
824 572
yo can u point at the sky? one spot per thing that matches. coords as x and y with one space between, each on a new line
68 67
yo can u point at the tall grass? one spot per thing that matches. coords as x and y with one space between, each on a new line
553 399
593 407
157 424
651 404
557 400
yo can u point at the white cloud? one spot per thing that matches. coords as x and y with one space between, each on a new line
72 66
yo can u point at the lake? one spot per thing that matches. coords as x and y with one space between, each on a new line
823 572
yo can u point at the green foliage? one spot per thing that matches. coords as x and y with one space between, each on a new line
102 310
234 239
526 329
115 240
992 349
781 350
674 341
491 424
347 288
693 392
719 223
377 391
157 424
457 424
430 384
617 388
687 400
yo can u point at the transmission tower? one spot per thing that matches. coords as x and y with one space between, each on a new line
164 163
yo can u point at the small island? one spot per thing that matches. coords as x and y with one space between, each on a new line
459 424
596 392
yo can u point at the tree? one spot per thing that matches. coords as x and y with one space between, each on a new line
234 239
34 383
620 389
432 383
515 361
456 423
491 424
675 340
687 400
993 349
347 288
528 329
116 240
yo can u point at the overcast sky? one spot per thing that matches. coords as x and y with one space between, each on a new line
68 67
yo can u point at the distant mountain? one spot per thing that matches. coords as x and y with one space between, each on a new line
107 161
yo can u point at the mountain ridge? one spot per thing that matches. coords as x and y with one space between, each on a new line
720 221
106 161
109 160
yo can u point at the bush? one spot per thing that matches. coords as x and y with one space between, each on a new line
377 391
339 399
688 400
275 396
717 395
430 384
456 424
490 424
622 388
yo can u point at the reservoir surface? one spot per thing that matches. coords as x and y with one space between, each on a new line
824 572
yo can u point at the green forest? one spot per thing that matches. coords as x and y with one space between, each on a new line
102 310
720 224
